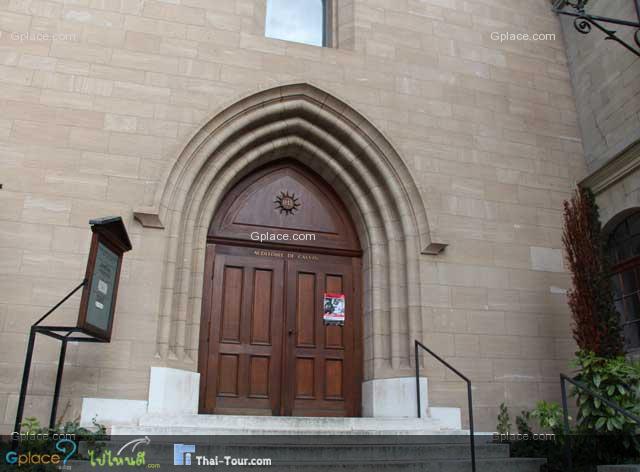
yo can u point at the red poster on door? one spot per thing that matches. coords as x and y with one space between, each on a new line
334 307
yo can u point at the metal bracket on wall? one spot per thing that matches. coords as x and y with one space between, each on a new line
584 22
434 249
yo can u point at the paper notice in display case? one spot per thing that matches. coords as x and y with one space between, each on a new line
100 311
334 308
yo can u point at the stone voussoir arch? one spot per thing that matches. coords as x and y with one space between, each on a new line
302 122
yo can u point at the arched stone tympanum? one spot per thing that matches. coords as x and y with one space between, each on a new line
304 123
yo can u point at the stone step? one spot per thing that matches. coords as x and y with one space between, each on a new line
163 453
619 468
321 440
212 431
484 465
230 424
315 453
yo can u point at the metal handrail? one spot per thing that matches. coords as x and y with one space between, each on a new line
565 413
472 442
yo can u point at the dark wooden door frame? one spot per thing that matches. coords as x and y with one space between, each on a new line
222 235
206 330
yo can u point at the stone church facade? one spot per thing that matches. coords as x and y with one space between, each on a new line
607 91
412 122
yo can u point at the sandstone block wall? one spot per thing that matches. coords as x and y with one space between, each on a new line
606 80
91 118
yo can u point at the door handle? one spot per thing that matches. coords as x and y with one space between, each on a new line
291 332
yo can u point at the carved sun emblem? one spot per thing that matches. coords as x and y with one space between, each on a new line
287 203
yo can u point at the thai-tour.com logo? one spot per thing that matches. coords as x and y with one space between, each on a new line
184 454
66 448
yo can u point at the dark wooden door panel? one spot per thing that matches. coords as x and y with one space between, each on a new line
232 278
321 368
261 313
305 309
243 372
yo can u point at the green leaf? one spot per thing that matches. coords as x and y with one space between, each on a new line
600 423
611 389
621 389
617 422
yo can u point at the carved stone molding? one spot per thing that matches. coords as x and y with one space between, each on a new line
302 122
613 171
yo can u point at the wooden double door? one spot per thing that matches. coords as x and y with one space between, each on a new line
269 351
264 345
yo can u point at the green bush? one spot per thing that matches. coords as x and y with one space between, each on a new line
504 421
523 423
617 380
31 426
589 446
549 416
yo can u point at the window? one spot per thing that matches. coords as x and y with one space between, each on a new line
623 249
302 21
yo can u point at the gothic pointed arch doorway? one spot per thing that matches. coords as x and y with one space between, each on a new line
329 136
280 240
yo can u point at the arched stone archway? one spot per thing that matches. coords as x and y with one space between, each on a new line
330 137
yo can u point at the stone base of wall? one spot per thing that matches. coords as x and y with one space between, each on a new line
174 392
394 398
171 392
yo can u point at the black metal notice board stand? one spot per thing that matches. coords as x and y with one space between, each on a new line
109 241
63 334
